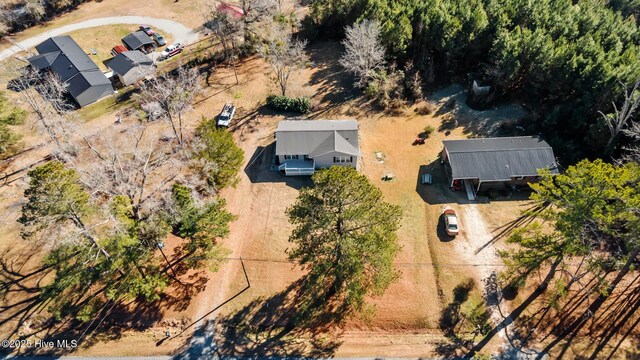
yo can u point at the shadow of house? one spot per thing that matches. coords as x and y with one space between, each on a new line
262 168
438 192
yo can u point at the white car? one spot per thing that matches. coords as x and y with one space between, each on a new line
171 50
225 117
450 221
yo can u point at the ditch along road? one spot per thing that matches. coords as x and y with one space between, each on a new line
179 32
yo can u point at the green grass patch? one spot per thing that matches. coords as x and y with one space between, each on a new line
102 107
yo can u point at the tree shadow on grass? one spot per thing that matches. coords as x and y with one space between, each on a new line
451 322
24 305
296 322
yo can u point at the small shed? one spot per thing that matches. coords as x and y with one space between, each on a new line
138 40
496 163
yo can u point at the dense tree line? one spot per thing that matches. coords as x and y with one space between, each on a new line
568 59
27 13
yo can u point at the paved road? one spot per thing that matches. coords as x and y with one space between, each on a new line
179 32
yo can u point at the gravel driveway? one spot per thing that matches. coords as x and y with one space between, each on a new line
179 32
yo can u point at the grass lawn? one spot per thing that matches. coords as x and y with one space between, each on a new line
102 107
102 39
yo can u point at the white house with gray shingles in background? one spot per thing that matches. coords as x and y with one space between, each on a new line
302 146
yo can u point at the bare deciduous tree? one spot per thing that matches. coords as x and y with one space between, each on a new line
617 121
35 9
285 55
170 97
45 95
633 152
132 163
4 26
363 51
224 27
256 11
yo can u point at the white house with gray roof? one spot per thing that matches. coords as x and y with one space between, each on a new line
302 146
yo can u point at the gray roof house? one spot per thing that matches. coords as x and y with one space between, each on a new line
138 40
62 56
302 146
131 66
488 163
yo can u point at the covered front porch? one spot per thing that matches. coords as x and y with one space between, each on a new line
298 167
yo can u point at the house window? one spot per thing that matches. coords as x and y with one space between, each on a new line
306 157
342 159
291 157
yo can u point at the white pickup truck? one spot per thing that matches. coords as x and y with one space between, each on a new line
225 117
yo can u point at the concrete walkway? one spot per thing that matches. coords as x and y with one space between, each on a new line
179 32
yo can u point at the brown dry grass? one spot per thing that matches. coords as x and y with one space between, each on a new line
189 13
261 231
103 39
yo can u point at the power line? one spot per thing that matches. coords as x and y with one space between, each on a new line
401 264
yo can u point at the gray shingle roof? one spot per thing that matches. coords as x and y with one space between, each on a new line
84 80
316 125
43 61
125 61
317 137
494 159
72 65
136 40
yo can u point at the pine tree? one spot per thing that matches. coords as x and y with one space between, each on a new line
345 236
216 156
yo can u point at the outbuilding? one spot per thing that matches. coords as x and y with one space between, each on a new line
131 66
302 146
138 40
497 163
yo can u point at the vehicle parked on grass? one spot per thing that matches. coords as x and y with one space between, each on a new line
171 50
159 39
147 29
450 221
225 117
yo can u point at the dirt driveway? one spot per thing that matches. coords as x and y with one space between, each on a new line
178 31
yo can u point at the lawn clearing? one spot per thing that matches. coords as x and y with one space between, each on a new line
101 39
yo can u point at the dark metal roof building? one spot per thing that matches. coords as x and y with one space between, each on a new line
498 159
137 40
62 55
